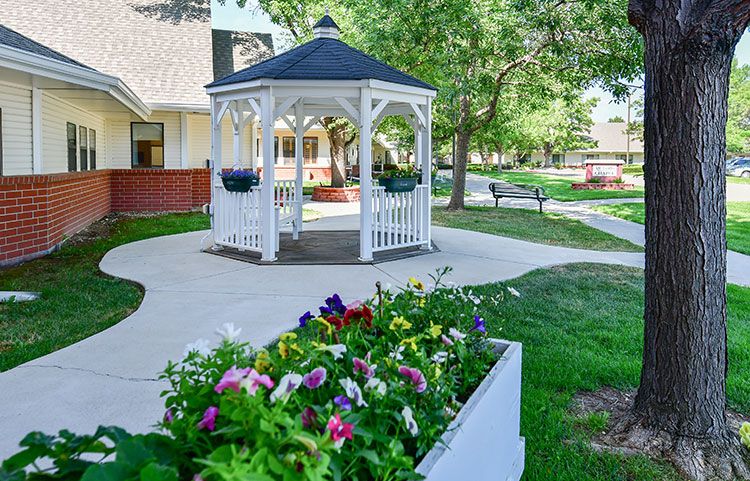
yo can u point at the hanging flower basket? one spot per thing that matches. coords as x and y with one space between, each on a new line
400 180
239 180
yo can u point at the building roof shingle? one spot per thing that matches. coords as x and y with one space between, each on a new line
13 39
162 50
323 59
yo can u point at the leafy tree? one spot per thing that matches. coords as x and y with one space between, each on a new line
738 115
680 407
617 119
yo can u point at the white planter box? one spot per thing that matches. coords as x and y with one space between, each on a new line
483 443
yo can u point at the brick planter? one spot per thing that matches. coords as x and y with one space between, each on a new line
335 194
601 186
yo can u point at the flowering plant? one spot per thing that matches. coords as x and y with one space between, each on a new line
408 172
358 391
238 174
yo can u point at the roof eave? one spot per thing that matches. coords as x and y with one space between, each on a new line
34 64
270 82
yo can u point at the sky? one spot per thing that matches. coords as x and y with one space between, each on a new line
231 17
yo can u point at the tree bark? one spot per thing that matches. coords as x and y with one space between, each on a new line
463 140
547 152
337 140
682 390
500 152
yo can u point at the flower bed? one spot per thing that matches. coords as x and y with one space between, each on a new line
359 391
601 186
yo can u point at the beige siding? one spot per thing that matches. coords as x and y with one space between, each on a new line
15 102
199 141
56 114
120 143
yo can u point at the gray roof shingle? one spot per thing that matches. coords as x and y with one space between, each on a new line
323 59
326 21
162 50
13 39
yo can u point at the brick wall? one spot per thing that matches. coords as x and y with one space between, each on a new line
37 212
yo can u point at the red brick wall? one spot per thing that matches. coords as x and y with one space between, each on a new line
38 211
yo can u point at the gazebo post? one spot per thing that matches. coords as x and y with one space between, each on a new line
365 175
299 133
238 121
426 151
267 200
215 161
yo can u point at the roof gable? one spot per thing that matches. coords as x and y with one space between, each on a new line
323 59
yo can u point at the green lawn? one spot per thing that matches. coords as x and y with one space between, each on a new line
738 221
77 300
738 180
547 228
581 328
558 187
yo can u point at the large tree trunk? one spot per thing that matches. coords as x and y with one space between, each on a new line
459 170
337 134
500 152
547 152
682 392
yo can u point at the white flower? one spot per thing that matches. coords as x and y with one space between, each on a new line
411 424
396 355
375 384
200 346
475 299
287 384
353 392
228 332
514 292
456 334
337 350
440 357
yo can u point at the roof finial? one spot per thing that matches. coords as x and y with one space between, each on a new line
326 27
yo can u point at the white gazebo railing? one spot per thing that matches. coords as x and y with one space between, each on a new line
238 215
398 218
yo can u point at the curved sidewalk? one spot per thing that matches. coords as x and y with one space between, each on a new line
110 378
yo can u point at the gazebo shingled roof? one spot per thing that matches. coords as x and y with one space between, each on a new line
323 59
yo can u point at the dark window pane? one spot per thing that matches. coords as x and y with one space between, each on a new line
92 149
310 150
288 146
84 145
72 147
148 145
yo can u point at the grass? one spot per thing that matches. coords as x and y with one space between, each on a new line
738 180
633 169
558 187
77 300
738 221
581 328
530 225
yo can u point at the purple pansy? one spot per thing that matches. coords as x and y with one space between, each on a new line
415 376
361 365
304 318
343 402
479 325
314 378
334 305
309 417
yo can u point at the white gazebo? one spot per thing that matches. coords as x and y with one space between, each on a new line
322 78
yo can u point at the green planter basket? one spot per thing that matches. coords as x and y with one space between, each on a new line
239 184
396 185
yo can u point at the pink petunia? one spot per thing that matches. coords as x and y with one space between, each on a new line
231 379
446 340
209 419
360 365
415 376
253 381
314 378
339 430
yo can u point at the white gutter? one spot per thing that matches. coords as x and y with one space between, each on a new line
34 64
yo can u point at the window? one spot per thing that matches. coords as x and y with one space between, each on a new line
310 150
83 146
72 147
590 156
624 157
259 149
92 149
147 145
558 158
287 144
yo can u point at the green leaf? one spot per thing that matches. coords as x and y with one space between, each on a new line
108 472
370 455
158 472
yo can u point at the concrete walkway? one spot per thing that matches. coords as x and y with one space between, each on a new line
738 265
110 378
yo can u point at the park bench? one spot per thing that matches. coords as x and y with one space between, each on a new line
518 191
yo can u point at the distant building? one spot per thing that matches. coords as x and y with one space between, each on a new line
611 143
